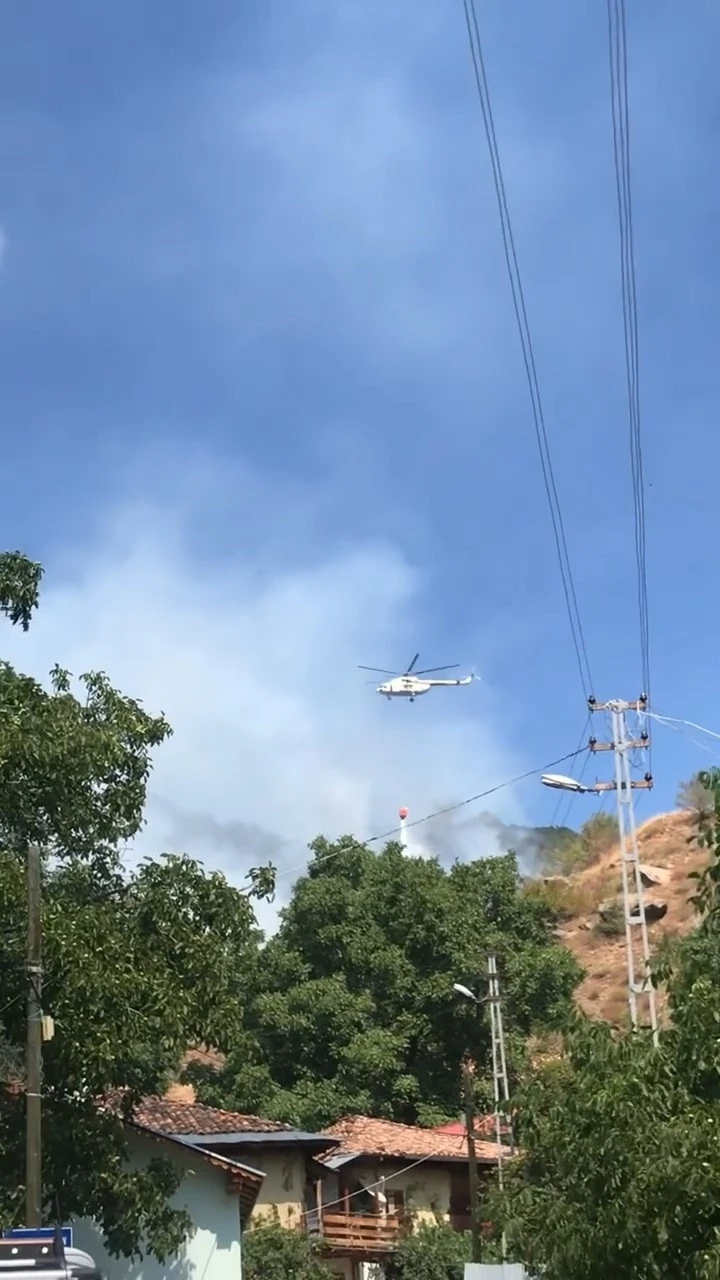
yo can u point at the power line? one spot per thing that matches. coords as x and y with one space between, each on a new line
565 802
520 309
436 813
397 1173
372 1186
617 45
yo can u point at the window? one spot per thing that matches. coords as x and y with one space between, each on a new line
395 1201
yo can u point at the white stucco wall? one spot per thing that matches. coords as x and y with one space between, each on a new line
282 1194
426 1187
213 1250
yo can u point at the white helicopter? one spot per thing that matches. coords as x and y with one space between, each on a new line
410 683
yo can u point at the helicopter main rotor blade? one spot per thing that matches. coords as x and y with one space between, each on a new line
430 670
381 671
412 664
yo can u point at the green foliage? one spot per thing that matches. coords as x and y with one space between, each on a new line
564 857
534 845
563 898
353 1009
19 587
430 1253
73 766
272 1252
138 965
611 923
620 1172
598 835
573 851
694 795
262 882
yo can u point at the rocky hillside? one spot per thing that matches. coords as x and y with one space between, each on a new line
592 923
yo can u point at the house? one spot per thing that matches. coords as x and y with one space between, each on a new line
218 1192
360 1185
286 1157
382 1177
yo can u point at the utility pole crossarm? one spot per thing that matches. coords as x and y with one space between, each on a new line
640 705
636 784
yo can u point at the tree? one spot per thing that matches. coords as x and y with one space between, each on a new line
273 1252
572 851
620 1172
74 765
138 964
693 795
354 1009
598 835
430 1253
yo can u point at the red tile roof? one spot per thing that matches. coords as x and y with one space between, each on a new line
167 1116
363 1136
246 1182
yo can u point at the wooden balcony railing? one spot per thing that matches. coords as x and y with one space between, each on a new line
369 1233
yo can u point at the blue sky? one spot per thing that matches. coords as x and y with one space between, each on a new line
263 404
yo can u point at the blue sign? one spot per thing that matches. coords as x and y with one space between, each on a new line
41 1233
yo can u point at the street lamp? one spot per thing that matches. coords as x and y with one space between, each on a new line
465 992
559 782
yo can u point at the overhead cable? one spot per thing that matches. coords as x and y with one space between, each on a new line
617 44
565 801
436 813
528 354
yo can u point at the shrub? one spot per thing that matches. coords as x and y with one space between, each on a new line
563 899
575 851
597 836
693 795
430 1253
612 921
273 1252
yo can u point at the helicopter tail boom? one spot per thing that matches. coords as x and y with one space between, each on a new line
461 680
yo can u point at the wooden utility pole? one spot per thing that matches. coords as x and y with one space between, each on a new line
475 1223
33 1084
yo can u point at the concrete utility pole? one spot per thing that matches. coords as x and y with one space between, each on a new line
637 945
501 1094
636 934
501 1090
33 1084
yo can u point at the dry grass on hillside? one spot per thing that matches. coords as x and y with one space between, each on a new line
663 844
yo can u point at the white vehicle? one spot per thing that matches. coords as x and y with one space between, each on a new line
42 1254
410 684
